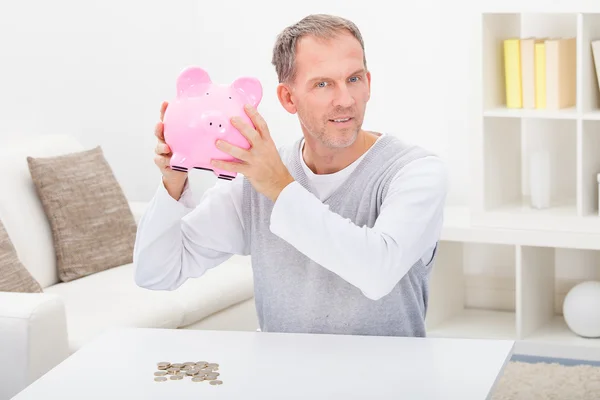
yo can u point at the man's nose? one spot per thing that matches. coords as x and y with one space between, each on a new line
343 97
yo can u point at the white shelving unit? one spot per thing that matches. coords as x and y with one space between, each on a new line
504 267
508 136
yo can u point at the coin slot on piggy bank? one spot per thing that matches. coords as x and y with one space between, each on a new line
201 113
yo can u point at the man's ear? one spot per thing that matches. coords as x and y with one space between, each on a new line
285 96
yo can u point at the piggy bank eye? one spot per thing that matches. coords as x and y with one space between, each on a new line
229 97
207 93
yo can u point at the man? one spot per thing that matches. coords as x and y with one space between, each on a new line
341 226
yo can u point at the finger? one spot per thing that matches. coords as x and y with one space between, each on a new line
162 148
159 131
161 161
246 130
163 108
257 120
237 152
231 166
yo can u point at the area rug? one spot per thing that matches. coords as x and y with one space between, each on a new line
548 381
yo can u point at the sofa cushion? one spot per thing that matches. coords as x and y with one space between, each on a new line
111 298
222 286
14 277
20 208
92 224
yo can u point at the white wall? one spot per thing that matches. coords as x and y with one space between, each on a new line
100 70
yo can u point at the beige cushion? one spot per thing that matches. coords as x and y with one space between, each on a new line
14 277
93 228
21 210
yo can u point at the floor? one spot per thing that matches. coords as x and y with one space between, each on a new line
561 361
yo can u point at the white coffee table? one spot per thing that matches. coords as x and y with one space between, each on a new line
257 365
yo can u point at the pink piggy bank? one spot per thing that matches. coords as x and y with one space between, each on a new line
200 115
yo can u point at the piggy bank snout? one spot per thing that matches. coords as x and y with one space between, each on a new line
215 123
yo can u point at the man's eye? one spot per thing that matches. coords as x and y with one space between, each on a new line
321 84
354 77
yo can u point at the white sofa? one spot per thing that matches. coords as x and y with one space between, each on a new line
39 330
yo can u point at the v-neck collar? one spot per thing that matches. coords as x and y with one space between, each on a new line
367 159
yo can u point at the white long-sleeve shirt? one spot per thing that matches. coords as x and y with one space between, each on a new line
178 240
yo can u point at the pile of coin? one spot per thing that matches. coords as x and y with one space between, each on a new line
198 372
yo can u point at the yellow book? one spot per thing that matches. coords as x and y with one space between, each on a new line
512 73
540 75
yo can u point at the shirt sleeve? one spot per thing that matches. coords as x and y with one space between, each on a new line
177 240
372 259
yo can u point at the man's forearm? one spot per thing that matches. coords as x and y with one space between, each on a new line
372 259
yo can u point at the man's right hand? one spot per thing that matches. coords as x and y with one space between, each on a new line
174 181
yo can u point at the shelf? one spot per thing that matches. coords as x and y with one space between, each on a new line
590 93
504 267
508 137
558 218
476 324
545 275
496 27
497 283
458 227
592 115
590 167
508 146
503 112
472 291
555 339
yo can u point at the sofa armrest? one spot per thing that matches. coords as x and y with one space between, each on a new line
33 338
138 208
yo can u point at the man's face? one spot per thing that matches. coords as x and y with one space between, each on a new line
331 89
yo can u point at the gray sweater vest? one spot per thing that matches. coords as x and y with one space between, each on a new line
295 294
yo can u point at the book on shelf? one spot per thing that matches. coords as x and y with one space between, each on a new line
528 74
596 55
561 73
512 73
540 73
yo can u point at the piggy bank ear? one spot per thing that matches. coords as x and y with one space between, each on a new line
250 87
192 81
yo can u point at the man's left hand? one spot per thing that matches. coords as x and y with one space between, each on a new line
261 163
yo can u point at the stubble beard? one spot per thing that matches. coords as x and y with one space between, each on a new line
333 139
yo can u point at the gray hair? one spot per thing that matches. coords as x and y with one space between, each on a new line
322 26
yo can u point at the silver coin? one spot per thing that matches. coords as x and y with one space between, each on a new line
177 365
189 363
160 373
160 379
217 382
192 372
198 379
176 377
164 364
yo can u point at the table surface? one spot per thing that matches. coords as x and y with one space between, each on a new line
120 364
